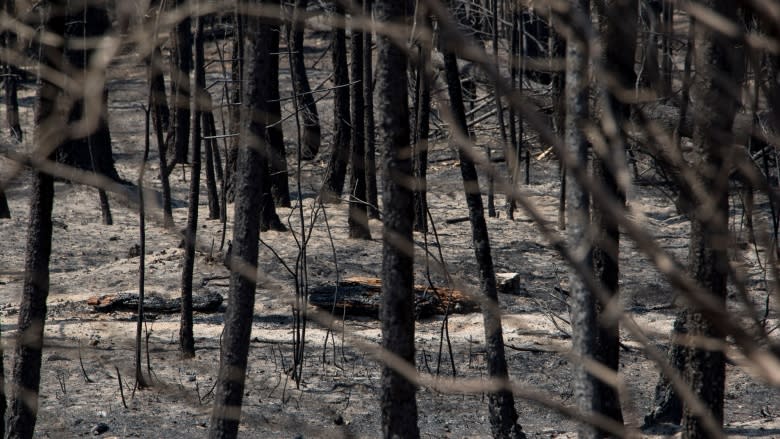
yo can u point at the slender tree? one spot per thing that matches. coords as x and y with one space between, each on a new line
619 37
358 211
422 126
11 78
336 172
583 304
368 100
280 187
503 417
398 402
312 135
181 66
251 170
32 310
186 337
714 109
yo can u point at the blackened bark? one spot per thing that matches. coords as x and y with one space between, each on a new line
92 152
368 101
32 309
161 116
181 66
714 109
250 169
503 417
667 406
421 132
336 172
186 337
358 212
398 401
584 322
619 36
11 79
5 212
312 135
212 158
280 186
236 91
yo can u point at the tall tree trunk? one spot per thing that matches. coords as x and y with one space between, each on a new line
251 170
358 211
186 337
236 92
584 322
503 417
212 158
714 109
368 101
280 186
11 79
161 116
181 66
336 172
422 126
398 402
312 135
619 36
32 309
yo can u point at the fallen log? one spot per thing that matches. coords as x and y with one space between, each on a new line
209 302
361 296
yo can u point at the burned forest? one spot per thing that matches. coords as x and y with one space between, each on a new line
390 218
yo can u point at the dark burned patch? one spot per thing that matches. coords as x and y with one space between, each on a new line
361 297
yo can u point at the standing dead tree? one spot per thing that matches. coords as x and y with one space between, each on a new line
32 311
251 173
398 401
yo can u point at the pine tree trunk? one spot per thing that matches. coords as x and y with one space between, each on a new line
26 374
186 337
312 135
714 110
335 175
11 79
358 212
398 401
503 417
251 170
368 101
181 66
422 129
584 322
280 186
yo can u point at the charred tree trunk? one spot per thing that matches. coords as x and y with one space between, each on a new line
422 129
312 133
619 36
358 211
503 417
161 116
236 92
250 172
212 158
181 66
398 401
11 79
584 322
32 310
280 186
186 337
368 100
335 175
714 109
